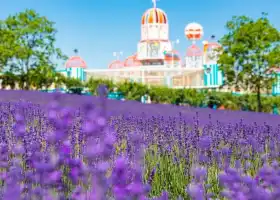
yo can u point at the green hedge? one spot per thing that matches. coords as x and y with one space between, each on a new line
193 97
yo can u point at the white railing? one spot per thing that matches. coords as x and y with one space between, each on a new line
152 72
197 87
144 68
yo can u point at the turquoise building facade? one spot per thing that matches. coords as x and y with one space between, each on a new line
213 76
75 68
276 85
77 73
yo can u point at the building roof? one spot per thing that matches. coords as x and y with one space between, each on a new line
194 50
210 45
154 16
75 61
172 55
132 61
116 64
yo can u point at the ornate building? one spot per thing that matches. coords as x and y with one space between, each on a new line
212 75
154 37
156 62
194 55
75 68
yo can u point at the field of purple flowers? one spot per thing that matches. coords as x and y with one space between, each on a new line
87 148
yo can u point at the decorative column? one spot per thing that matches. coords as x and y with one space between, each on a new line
143 76
166 79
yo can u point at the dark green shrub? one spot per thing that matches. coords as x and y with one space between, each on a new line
193 97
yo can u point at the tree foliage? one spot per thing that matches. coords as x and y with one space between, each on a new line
250 50
31 41
93 84
8 45
73 82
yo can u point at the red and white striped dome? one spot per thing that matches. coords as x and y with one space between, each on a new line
132 61
116 64
194 50
75 61
172 56
194 31
154 16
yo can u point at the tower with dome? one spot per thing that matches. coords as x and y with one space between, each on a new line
213 76
154 37
154 47
194 55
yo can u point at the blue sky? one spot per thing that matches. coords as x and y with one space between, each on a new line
98 28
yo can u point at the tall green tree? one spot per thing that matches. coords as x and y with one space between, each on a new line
35 36
250 50
8 45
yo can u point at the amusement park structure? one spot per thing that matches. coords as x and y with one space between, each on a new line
156 62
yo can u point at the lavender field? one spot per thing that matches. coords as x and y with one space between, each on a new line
56 146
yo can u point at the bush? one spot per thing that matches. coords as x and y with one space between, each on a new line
196 98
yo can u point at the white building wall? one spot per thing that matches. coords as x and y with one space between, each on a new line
194 61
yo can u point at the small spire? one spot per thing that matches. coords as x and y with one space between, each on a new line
76 51
155 3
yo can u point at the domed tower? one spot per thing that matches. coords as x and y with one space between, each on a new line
194 55
75 67
154 37
213 76
210 51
